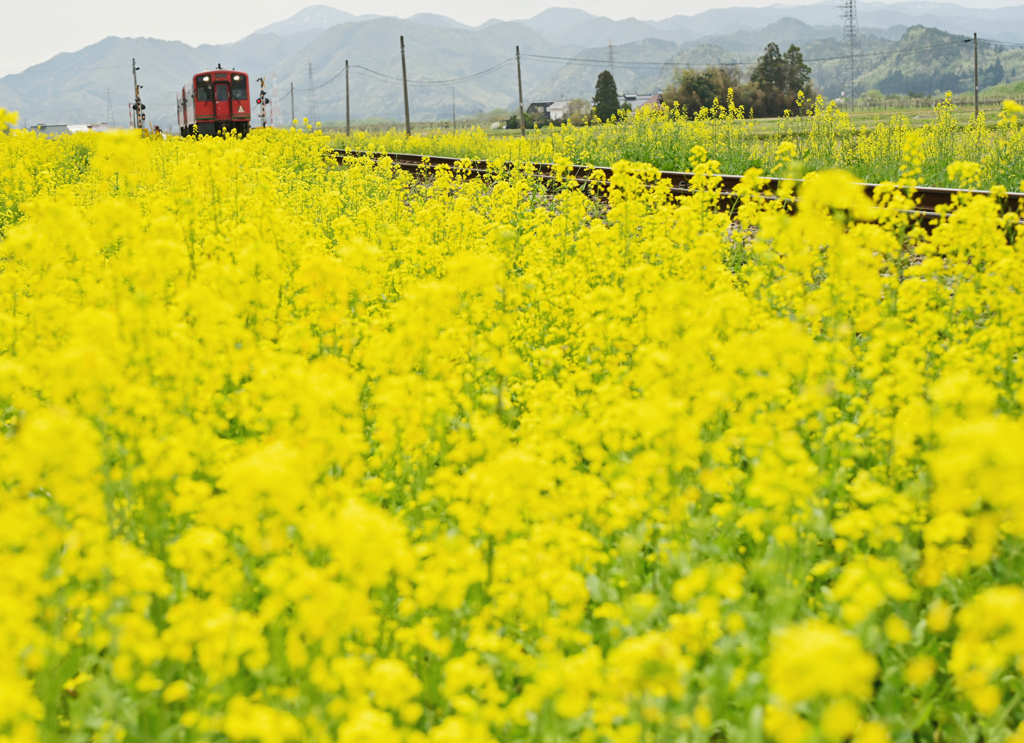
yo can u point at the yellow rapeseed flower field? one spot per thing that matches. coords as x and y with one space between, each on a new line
823 137
294 452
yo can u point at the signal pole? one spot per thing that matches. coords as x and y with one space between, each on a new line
138 117
405 89
263 101
519 72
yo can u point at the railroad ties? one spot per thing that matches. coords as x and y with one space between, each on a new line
929 201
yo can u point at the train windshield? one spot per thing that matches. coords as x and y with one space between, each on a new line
204 88
222 92
239 90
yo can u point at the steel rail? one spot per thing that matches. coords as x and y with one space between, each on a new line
929 200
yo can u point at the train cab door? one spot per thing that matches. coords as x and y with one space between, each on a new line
222 100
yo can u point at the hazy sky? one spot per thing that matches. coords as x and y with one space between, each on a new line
32 31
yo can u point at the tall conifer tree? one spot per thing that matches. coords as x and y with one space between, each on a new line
606 96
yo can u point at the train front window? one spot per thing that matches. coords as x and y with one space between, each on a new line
223 92
204 89
239 90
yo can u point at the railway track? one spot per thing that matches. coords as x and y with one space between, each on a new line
930 201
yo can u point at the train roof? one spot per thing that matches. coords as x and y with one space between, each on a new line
210 72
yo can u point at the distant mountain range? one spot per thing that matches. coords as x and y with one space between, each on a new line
563 50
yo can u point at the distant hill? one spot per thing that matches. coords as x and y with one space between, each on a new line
432 53
578 80
433 19
252 52
74 88
1005 24
557 20
563 52
571 26
313 18
783 32
929 61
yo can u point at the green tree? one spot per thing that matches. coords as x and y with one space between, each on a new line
513 121
778 79
695 90
579 109
769 71
606 96
797 73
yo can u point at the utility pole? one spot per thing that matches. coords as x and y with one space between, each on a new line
293 102
975 74
405 89
110 109
138 117
519 72
348 121
453 108
313 116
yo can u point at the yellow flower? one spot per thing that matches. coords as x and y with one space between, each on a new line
1017 736
77 680
148 682
7 119
939 616
897 630
839 720
818 660
920 670
785 726
175 691
872 732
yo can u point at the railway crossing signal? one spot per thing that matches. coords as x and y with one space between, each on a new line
263 100
138 109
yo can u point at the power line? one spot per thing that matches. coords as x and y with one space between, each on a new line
636 64
72 69
891 52
451 81
644 64
582 61
383 77
328 82
1002 43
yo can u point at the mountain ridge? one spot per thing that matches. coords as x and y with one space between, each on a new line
93 84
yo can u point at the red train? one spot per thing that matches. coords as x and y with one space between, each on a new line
215 101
